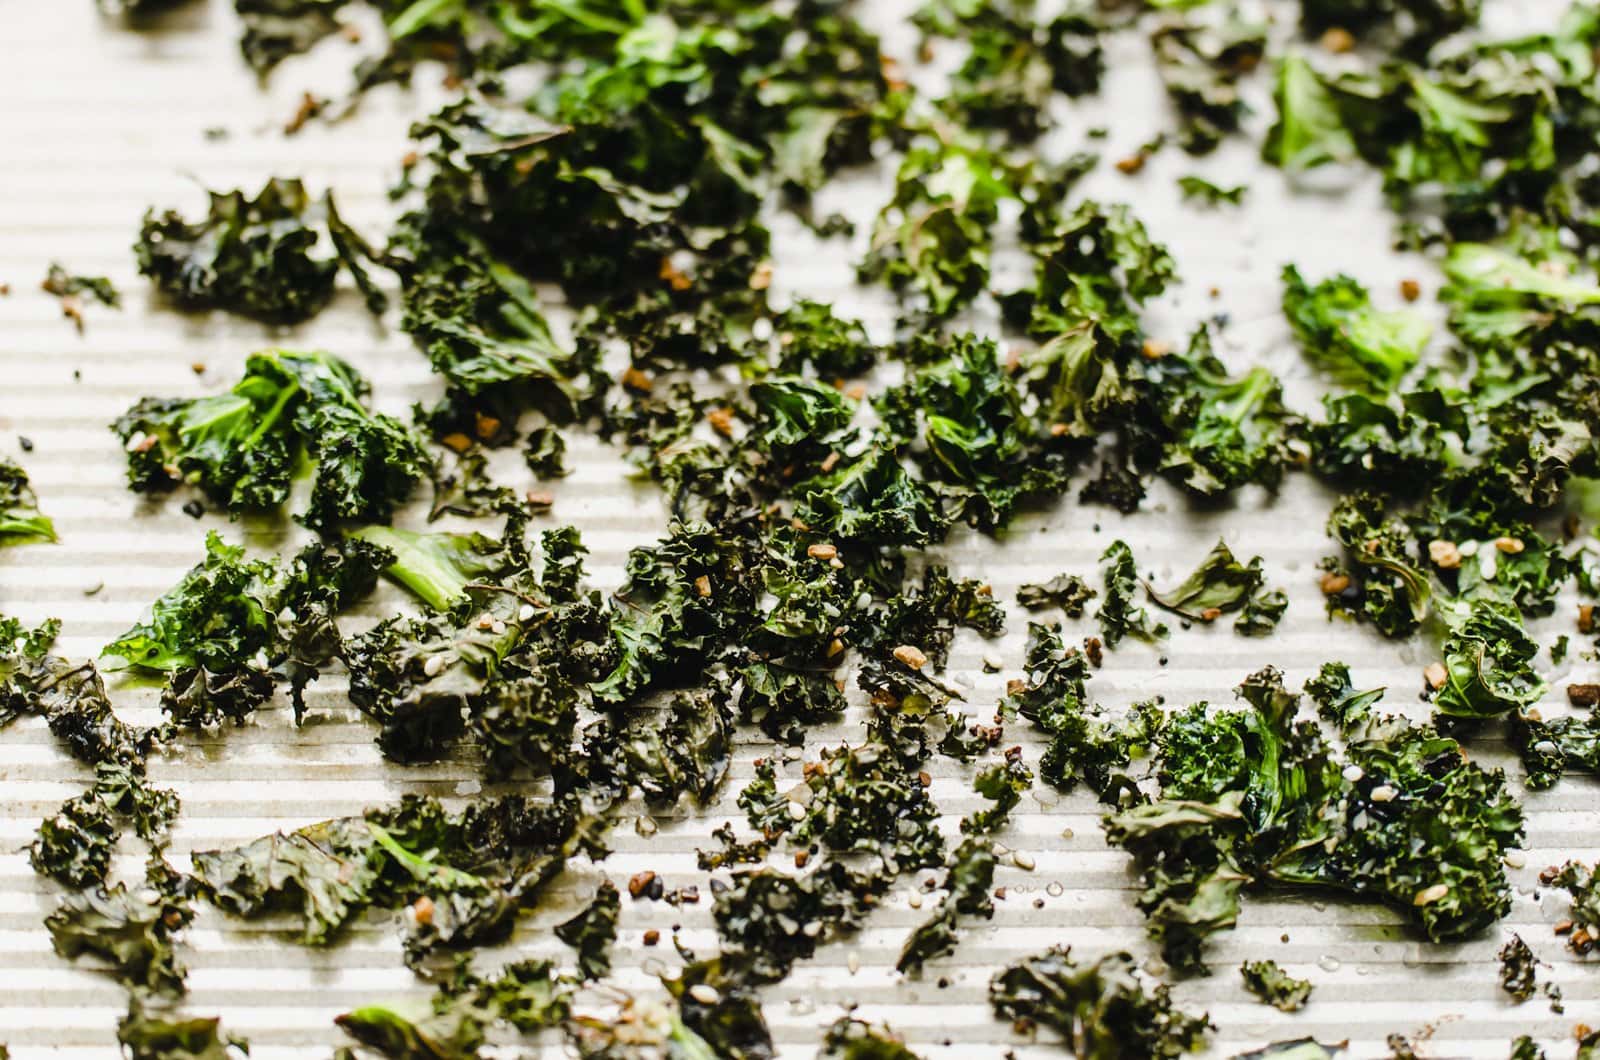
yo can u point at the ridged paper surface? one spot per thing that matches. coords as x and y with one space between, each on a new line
98 122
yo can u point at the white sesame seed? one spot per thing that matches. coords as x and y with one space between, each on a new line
1353 773
705 993
1384 793
433 665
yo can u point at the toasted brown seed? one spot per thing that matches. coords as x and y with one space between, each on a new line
1583 695
1509 545
911 656
1337 40
822 551
1333 583
1435 674
1445 554
1410 290
640 883
652 937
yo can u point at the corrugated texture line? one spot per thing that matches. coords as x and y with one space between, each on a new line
98 123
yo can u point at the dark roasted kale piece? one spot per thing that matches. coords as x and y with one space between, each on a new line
1221 585
592 931
1118 615
1518 969
273 257
149 1033
1067 591
1274 986
1105 1008
242 448
1201 66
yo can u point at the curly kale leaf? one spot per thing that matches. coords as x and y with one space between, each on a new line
1094 266
1199 189
1498 297
1105 1008
976 442
216 617
1310 128
1338 327
129 930
767 920
1275 987
465 876
480 324
1390 589
21 522
1084 745
1418 22
1376 445
148 1034
1014 64
1226 431
1338 702
1201 67
863 800
1118 616
527 995
872 500
810 334
935 235
1250 798
242 448
1067 591
439 568
1221 585
270 257
683 598
274 30
1488 659
1548 748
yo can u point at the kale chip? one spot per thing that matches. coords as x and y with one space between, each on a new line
1105 1008
257 257
243 448
1337 327
21 522
1275 987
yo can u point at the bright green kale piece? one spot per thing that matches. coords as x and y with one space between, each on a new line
1337 327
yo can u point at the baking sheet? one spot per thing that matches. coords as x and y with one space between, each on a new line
97 123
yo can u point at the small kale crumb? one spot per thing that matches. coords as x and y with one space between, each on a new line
71 289
855 1039
1201 190
546 453
593 931
1517 969
1275 987
1558 650
1066 591
63 284
1525 1048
